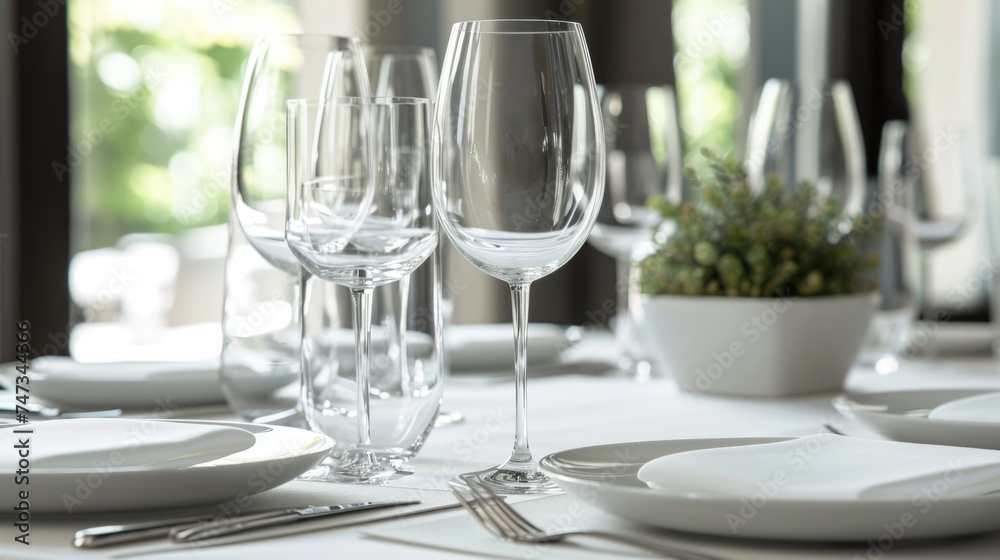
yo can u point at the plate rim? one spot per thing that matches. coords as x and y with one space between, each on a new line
722 498
213 464
844 402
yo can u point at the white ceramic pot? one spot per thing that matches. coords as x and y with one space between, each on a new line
762 347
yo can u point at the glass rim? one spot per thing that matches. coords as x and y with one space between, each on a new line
398 49
530 26
358 101
271 38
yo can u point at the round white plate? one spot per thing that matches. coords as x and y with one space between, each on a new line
605 477
279 455
902 416
132 385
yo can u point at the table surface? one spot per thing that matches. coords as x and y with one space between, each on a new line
565 412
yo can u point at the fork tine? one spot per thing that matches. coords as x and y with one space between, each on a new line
491 499
509 528
471 505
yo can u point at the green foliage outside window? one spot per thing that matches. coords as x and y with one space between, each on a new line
155 86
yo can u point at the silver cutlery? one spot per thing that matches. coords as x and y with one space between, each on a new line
7 408
108 535
499 519
213 529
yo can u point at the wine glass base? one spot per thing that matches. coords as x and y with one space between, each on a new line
507 481
357 467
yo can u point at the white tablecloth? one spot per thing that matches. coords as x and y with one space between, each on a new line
564 412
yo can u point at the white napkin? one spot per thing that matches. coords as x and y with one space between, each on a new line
491 347
977 408
828 467
82 443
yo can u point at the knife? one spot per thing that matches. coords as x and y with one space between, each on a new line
107 535
213 529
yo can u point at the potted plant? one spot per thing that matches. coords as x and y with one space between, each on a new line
758 293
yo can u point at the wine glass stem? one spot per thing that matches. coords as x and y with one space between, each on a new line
401 309
623 324
519 304
362 302
305 379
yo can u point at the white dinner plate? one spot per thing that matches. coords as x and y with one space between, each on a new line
490 347
605 477
902 416
130 385
279 455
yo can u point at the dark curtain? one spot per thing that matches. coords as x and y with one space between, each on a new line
867 50
34 250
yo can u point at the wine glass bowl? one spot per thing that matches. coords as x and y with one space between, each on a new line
282 67
357 177
808 133
644 159
518 172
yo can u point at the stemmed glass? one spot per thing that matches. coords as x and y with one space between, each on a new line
355 218
808 133
643 160
281 67
518 172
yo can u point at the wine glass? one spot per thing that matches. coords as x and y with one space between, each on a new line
401 71
899 268
409 71
356 217
643 160
257 362
518 172
808 133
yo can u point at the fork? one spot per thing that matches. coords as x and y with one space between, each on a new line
499 519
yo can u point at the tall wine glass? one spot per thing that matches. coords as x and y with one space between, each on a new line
518 172
407 71
356 217
401 71
283 67
643 160
808 133
280 67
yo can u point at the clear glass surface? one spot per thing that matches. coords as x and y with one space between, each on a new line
359 215
518 172
803 132
643 160
898 274
265 292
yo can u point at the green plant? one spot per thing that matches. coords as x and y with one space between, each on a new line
739 243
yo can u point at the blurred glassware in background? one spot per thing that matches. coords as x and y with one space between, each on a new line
262 318
811 133
898 274
644 159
